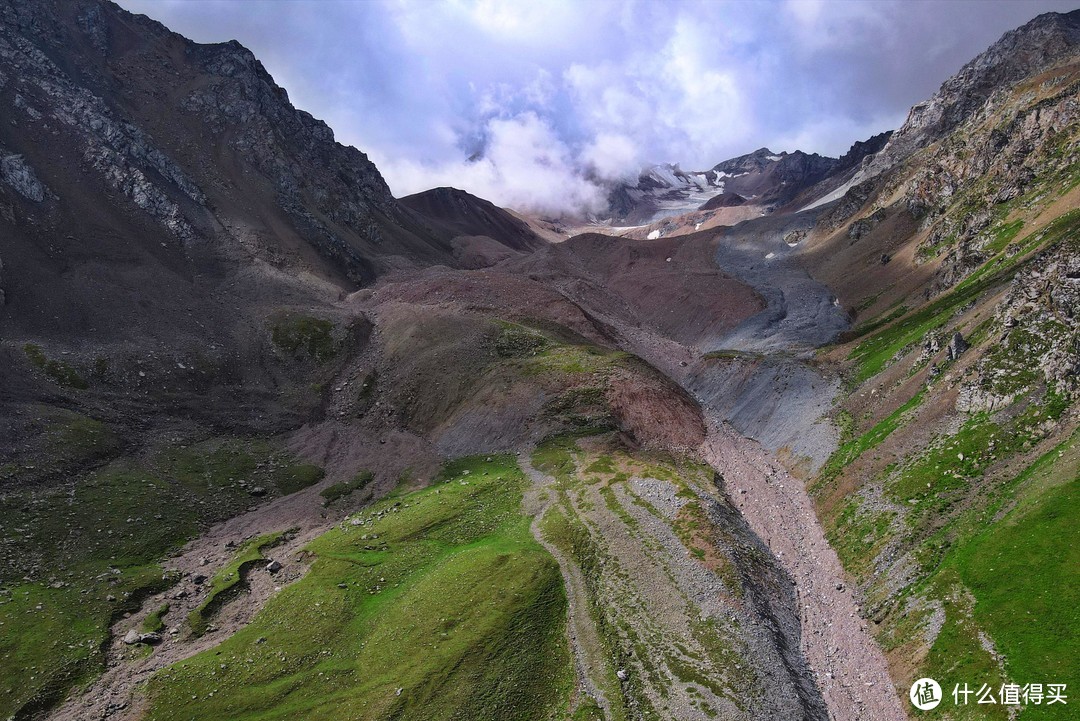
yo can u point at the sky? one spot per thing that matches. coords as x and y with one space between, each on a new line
539 104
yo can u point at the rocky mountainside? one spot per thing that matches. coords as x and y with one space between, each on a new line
1043 43
182 160
948 497
275 443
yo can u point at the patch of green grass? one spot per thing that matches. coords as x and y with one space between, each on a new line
726 354
555 457
615 507
872 325
302 334
238 463
450 609
588 711
856 447
570 360
517 341
1003 235
1023 572
91 550
298 476
1015 580
74 438
61 372
875 352
154 623
338 491
230 579
957 656
603 464
858 534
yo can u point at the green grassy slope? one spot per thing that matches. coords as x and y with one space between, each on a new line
77 556
437 604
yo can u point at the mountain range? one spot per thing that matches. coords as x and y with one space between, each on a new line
774 440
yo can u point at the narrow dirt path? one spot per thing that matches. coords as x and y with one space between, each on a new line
850 669
580 629
116 693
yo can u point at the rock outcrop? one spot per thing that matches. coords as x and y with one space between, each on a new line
1019 54
21 177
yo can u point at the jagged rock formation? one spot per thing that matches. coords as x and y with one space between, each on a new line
860 150
1019 54
21 177
962 411
165 140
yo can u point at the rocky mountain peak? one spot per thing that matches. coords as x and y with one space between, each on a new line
1024 52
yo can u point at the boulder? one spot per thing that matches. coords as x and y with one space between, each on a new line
957 346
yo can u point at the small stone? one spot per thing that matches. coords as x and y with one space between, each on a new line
198 579
273 567
622 674
132 637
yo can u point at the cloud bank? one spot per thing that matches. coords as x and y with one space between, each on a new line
535 105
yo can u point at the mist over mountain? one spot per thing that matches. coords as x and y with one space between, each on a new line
556 96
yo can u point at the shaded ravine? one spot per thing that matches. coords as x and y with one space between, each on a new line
773 403
849 668
802 314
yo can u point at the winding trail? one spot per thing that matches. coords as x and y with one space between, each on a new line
580 630
117 692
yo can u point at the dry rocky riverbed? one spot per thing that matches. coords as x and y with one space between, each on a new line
849 668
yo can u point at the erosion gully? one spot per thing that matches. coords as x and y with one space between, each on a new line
780 404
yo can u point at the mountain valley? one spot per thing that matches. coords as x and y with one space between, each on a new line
276 444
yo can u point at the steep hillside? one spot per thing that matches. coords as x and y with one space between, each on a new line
482 233
950 499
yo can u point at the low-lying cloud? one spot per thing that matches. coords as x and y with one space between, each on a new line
536 105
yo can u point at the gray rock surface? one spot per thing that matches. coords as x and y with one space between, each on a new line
20 176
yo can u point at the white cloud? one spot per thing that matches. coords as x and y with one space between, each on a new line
557 90
612 156
524 166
